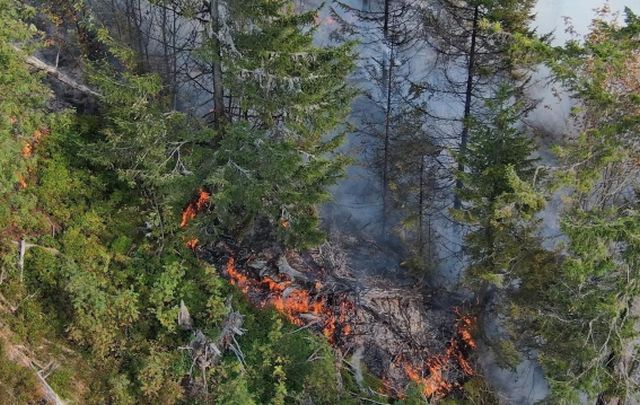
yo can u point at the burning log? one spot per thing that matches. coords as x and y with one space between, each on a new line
296 303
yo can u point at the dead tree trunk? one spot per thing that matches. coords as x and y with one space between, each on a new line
421 210
387 136
457 204
386 19
56 74
218 91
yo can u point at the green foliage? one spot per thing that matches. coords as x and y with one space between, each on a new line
271 163
162 296
295 89
585 324
159 383
499 202
478 392
22 113
258 177
61 380
580 307
275 158
108 268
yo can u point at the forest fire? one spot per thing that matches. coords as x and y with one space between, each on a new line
304 307
194 207
466 323
298 305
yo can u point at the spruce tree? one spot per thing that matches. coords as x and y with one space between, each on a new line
498 200
270 154
474 43
287 101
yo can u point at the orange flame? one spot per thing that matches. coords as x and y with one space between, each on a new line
192 243
465 324
435 384
194 207
237 278
296 304
301 307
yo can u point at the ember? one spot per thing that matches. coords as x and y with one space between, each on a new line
435 383
465 324
194 207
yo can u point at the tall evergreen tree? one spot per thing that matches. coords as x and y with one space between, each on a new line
499 202
283 96
403 152
474 40
288 97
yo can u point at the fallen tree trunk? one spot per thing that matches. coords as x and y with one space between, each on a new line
56 73
22 356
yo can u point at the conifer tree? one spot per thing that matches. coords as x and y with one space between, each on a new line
273 143
403 153
286 96
474 42
499 202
